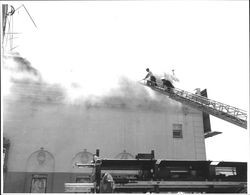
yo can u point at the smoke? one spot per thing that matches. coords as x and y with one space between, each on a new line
17 64
25 66
23 82
37 92
26 84
129 95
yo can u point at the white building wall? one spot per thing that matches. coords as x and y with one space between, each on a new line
65 129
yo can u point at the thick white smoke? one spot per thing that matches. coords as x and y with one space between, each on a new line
21 81
24 83
130 95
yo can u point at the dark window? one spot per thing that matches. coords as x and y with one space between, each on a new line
38 184
177 131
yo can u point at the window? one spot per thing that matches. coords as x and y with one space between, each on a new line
38 184
177 131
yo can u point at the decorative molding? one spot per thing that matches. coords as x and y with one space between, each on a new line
41 156
83 157
124 155
40 161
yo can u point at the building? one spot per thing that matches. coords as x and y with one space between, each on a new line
46 136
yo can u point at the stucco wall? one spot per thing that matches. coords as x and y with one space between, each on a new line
66 129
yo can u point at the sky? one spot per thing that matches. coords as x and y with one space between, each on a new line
92 44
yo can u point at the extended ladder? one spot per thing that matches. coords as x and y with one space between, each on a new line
223 111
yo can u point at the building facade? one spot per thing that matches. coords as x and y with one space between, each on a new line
47 137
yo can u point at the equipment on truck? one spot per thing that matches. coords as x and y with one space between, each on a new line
147 174
223 111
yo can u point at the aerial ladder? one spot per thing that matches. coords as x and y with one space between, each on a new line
223 111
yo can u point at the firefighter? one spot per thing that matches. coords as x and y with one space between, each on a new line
151 80
166 82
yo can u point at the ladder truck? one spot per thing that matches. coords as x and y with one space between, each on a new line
223 111
145 174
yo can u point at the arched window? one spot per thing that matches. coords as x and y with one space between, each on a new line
40 161
124 155
83 157
40 169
